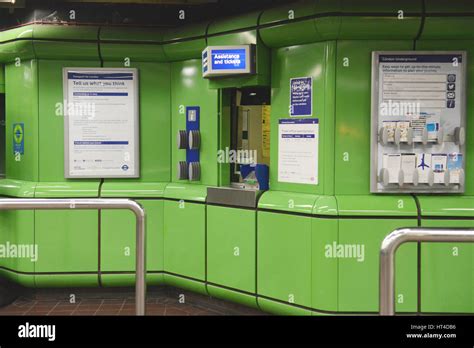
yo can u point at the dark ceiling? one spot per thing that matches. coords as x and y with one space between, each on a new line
160 13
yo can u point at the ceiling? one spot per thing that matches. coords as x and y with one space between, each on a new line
160 13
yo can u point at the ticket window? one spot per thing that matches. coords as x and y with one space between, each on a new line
250 132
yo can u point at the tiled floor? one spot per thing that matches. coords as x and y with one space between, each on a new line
117 301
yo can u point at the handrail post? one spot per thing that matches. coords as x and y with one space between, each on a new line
98 203
403 235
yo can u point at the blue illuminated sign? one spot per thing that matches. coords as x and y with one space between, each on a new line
229 59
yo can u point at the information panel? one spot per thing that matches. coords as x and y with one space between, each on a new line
298 150
101 126
418 121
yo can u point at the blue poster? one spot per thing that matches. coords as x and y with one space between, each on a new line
18 138
301 96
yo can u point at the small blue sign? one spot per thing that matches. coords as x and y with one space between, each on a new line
229 59
18 138
301 96
192 123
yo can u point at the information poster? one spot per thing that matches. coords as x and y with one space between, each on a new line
101 123
298 151
418 121
301 96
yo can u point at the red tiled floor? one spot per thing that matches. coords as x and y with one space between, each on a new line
112 301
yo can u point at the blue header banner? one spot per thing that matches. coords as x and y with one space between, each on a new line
298 121
420 58
99 76
301 95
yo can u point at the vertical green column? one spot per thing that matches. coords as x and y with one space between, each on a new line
231 247
184 239
284 257
21 93
2 78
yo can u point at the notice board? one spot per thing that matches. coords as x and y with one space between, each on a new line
101 125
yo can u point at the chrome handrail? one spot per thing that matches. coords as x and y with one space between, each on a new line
403 235
97 203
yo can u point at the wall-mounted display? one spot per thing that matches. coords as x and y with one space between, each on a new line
101 126
228 60
418 121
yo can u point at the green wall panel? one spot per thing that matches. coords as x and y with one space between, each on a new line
241 22
287 201
385 24
284 258
185 42
231 247
234 296
155 120
185 283
69 189
185 239
279 308
118 236
66 280
22 107
377 205
17 188
188 192
17 229
359 274
136 44
447 276
2 79
324 270
73 247
120 189
79 42
10 49
439 25
353 96
303 61
275 34
128 279
188 88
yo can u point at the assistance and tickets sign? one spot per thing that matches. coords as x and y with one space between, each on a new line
228 60
101 127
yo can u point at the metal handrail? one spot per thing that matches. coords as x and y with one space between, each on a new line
403 235
98 203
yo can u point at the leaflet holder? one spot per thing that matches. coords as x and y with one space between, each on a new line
417 122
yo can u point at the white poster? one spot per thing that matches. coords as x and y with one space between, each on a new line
101 123
298 151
